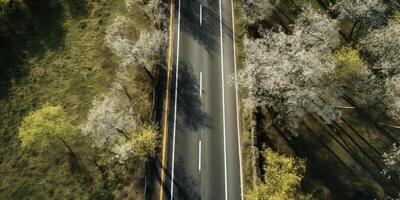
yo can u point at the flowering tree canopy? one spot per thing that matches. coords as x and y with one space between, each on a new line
290 73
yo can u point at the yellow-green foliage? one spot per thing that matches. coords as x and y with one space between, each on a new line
349 64
45 127
7 6
144 142
4 2
396 16
281 180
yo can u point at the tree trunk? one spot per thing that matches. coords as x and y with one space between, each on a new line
69 148
153 103
103 172
345 107
147 17
284 14
352 30
281 22
323 4
125 90
388 125
153 88
344 36
122 133
148 72
358 31
296 7
145 181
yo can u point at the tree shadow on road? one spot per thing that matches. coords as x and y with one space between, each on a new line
185 184
189 102
208 33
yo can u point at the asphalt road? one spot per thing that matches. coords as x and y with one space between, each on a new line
203 155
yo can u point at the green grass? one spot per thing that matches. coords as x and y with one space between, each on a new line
58 59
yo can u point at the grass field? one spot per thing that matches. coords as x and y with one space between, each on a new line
57 58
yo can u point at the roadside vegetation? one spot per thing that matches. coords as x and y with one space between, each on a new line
319 80
77 97
281 179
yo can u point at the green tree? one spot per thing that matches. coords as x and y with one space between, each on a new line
47 128
50 129
145 143
11 6
349 65
396 16
354 76
3 6
281 180
140 145
3 3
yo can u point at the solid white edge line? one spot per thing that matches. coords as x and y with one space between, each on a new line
201 14
176 99
237 102
223 98
199 155
201 83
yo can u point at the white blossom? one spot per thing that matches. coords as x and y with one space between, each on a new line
316 29
371 11
155 9
383 49
383 45
149 45
110 118
290 73
392 100
129 4
392 161
146 47
117 30
122 152
158 8
256 9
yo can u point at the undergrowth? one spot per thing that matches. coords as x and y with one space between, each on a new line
57 57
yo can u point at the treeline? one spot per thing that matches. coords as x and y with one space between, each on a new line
301 59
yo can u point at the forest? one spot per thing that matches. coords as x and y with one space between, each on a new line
319 85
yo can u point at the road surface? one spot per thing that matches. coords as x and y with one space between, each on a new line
203 152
